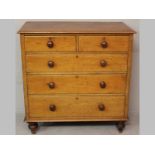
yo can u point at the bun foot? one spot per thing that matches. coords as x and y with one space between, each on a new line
120 126
33 126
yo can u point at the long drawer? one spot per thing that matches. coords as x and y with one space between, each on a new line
91 83
75 106
55 63
50 43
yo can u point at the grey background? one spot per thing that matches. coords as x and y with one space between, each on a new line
7 76
147 77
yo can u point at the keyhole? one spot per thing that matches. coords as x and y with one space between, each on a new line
76 98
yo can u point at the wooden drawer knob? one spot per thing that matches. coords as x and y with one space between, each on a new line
50 44
101 107
51 64
51 85
104 44
103 63
102 84
52 107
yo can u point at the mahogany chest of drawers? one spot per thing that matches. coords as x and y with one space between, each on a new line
76 71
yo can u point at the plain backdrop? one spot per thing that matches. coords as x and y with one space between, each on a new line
134 91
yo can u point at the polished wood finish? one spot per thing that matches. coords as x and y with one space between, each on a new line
60 63
72 106
103 63
103 84
120 126
94 43
23 54
128 75
39 84
101 107
104 44
76 71
52 107
50 44
58 43
33 126
51 85
59 27
50 64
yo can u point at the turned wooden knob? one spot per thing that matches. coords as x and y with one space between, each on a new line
50 44
104 44
50 64
102 84
51 85
103 63
52 107
101 107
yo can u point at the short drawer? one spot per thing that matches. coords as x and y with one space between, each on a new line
55 63
72 106
51 84
50 43
104 43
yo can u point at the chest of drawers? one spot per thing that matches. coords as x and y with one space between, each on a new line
76 71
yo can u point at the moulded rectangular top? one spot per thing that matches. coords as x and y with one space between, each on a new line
43 27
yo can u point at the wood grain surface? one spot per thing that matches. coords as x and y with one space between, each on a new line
64 63
38 84
75 27
76 106
60 43
63 82
93 43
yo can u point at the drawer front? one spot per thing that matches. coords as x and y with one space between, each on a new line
50 43
103 43
53 63
70 106
104 83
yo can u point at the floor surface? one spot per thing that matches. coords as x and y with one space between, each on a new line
132 128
